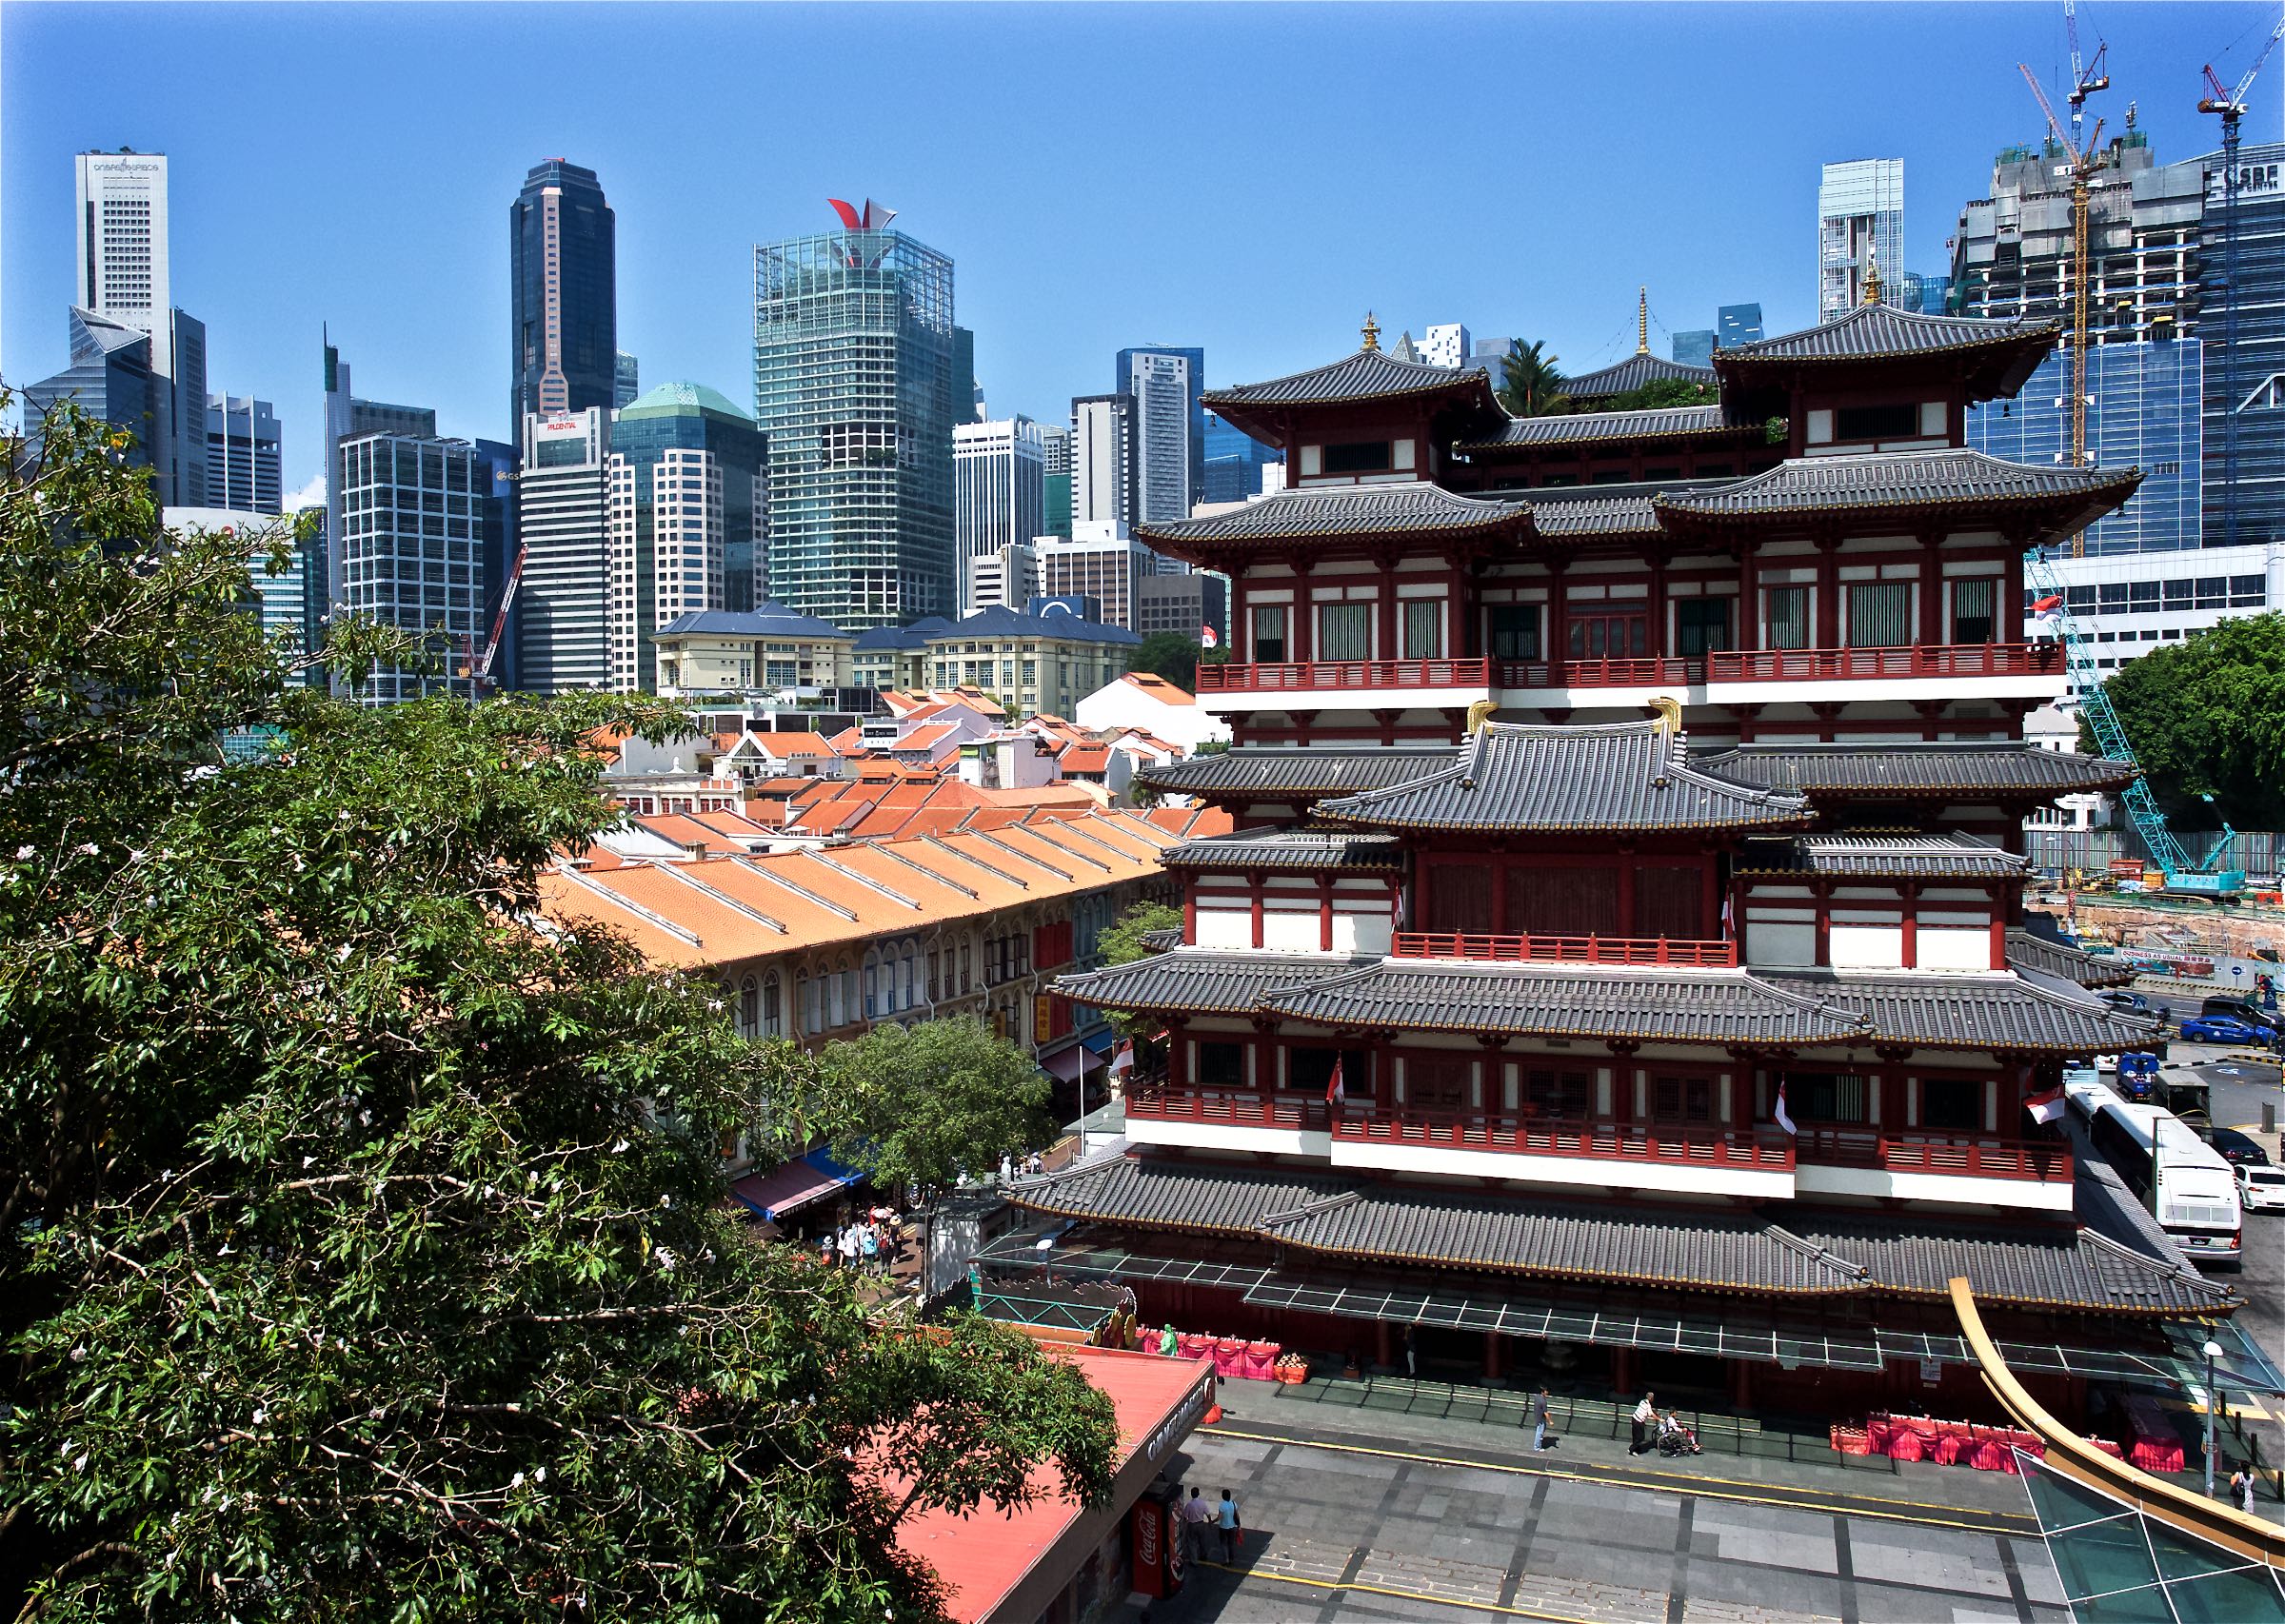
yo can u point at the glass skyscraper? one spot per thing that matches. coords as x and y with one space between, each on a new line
1141 374
1234 463
423 527
853 385
2245 386
562 292
244 466
1735 324
1859 217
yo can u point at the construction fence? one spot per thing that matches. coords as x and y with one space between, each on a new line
2055 850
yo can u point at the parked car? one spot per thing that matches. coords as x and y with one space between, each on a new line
2260 1187
2239 1148
2123 999
2223 1029
2238 1009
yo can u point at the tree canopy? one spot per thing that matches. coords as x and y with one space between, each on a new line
1122 944
1663 392
1170 655
2206 717
361 1244
1531 385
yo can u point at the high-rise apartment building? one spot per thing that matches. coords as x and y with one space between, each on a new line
687 486
854 383
1102 459
564 514
1694 347
1860 219
245 465
999 493
562 292
1054 461
1447 343
1234 461
1735 324
423 519
1170 426
123 274
627 381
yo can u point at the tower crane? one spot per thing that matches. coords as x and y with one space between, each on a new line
2086 79
2083 164
2230 104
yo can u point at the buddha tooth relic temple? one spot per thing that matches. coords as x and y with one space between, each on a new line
1618 964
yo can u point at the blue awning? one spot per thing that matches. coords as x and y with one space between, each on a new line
1102 1043
787 1189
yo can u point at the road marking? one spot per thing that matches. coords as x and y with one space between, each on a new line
1245 1574
1873 1506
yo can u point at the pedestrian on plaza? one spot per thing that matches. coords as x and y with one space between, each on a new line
1196 1515
1233 1532
1007 1169
824 1246
849 1247
869 1247
1645 1413
2241 1489
1168 1342
1412 1357
1538 1418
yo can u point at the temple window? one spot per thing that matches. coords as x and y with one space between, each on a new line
1438 1081
1221 1065
1423 628
1681 1099
1344 631
1362 457
1569 901
1953 1105
1880 614
1310 1070
1610 634
1974 609
1827 1096
1269 633
1460 898
1564 1094
1701 626
1515 631
1785 617
1876 421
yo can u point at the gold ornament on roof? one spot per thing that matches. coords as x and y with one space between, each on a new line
1670 714
1642 321
1372 331
1872 274
1481 712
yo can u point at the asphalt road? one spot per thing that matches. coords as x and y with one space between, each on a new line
2240 1090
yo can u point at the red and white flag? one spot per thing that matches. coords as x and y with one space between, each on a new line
1784 1116
2046 606
1122 1057
1335 1093
1207 638
2045 1107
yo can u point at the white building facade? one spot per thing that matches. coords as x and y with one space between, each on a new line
2128 603
998 497
564 518
1161 387
1859 217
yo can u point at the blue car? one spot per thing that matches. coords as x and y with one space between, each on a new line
2225 1029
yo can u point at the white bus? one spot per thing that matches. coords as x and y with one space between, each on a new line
2184 1180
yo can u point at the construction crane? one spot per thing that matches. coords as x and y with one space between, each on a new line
2051 603
2086 79
2230 104
477 666
2083 164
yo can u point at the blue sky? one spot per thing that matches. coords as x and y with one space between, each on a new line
1250 179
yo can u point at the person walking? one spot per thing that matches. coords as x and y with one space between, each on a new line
1196 1515
1538 1418
1233 1532
2241 1489
1412 1357
1645 1413
869 1247
849 1247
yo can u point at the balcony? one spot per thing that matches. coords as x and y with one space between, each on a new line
1333 676
1864 665
1517 1133
1968 1155
1665 674
1654 951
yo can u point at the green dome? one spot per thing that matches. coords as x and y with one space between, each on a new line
683 397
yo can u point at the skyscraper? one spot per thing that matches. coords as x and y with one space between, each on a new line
1860 216
1102 459
563 515
1447 343
415 555
967 394
245 469
347 417
562 292
123 274
2245 380
1148 373
999 493
1735 324
1055 454
627 381
686 484
1694 347
854 383
1234 461
109 377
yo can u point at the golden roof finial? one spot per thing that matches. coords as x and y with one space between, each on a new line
1642 321
1872 274
1372 331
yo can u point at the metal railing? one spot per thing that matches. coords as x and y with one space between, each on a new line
1919 660
1568 949
1318 674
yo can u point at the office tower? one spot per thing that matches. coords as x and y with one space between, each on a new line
999 491
1055 454
345 418
245 469
1234 461
1102 459
854 383
1859 218
498 467
1154 374
967 394
1735 324
283 598
564 293
1923 293
686 483
1099 562
1695 347
1184 604
1007 577
122 275
414 554
109 377
1448 344
627 381
564 518
2245 379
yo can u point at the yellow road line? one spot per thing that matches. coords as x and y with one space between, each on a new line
1245 1573
1673 1483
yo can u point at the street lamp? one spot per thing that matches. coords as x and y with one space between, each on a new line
2213 1352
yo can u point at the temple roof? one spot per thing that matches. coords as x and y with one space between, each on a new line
1565 512
1414 508
1805 486
1257 772
2013 349
1299 850
1617 776
2029 1265
1203 981
1883 857
1656 423
1945 1009
1951 767
1564 1001
1635 373
1172 1195
1368 375
2038 956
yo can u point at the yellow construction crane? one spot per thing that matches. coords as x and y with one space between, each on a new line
2082 168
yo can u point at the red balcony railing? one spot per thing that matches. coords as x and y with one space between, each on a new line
1601 673
1569 949
1842 665
1973 1156
1522 1134
1158 1102
1317 674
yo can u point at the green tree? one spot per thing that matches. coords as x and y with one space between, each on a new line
361 1247
1665 392
1170 655
1122 944
2207 718
1531 385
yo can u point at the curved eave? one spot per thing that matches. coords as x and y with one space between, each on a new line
1781 822
1026 1201
1513 527
1266 419
1998 366
1678 1282
1488 448
2064 511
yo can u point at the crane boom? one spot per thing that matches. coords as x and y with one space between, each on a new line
2083 169
508 596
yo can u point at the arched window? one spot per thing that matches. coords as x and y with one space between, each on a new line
837 998
812 1021
872 985
773 1020
749 1007
905 970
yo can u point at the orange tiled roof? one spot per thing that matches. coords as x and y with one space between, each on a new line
1159 688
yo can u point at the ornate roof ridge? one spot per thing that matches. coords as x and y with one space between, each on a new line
1362 363
1830 341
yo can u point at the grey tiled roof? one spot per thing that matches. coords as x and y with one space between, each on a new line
1564 511
1586 425
1273 773
1562 1001
1705 1247
1909 768
2065 963
1304 850
2062 1267
1899 480
1935 1009
1160 1193
1625 775
1633 373
1898 857
1412 507
1201 981
1884 331
1369 374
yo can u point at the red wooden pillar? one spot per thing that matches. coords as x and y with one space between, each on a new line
1741 1385
1265 1060
1324 913
1190 914
1932 594
1384 1344
1301 643
1661 641
1824 926
1828 633
1558 622
1493 1371
1254 889
1178 1054
1998 937
1384 645
1911 925
1622 1370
